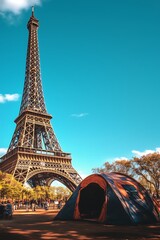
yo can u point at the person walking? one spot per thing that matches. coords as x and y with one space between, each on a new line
8 210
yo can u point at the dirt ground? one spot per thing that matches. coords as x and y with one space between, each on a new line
40 225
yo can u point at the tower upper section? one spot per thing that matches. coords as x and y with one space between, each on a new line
33 98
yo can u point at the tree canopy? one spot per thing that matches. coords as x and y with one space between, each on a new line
145 169
12 189
9 187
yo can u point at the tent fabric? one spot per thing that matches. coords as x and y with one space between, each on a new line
111 198
90 189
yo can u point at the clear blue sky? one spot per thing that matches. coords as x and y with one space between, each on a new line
100 66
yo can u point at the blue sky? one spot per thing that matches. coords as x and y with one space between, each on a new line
100 66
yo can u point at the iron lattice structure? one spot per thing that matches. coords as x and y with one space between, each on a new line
34 154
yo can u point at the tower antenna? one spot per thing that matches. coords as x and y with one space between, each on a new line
32 11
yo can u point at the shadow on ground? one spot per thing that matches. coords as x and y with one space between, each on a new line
40 225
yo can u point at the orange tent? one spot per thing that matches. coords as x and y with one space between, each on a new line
111 198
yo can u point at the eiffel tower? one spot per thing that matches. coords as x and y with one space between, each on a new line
34 154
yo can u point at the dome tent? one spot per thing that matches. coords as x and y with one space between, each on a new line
111 198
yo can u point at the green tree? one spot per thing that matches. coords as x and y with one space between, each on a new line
9 187
145 169
52 192
122 166
148 168
62 193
